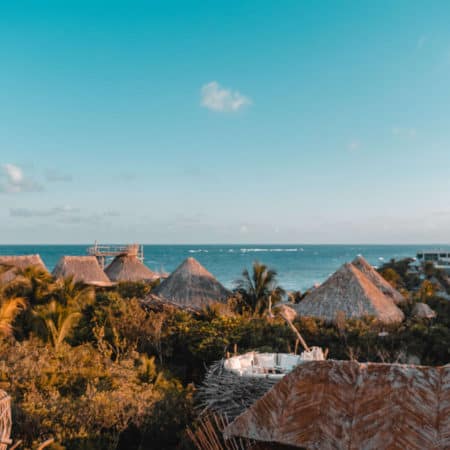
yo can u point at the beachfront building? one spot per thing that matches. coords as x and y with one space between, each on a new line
351 405
128 267
439 258
351 292
191 286
11 265
83 269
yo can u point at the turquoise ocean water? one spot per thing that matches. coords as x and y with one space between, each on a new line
298 266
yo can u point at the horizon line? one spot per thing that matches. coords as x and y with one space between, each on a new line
234 244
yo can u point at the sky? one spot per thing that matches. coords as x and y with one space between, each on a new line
224 122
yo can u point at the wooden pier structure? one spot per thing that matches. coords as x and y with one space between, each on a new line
104 253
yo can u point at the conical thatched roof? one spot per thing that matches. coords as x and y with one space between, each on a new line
350 405
191 285
350 291
12 263
423 311
84 269
129 268
360 263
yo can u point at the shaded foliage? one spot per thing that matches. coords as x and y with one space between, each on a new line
96 370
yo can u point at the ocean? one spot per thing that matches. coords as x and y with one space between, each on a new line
299 266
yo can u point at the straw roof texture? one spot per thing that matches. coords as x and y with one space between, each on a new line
360 263
129 268
350 405
191 285
350 291
423 311
5 420
225 392
12 263
84 269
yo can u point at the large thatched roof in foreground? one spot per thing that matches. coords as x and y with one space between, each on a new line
360 263
349 405
227 393
191 285
129 268
12 263
5 420
349 291
84 269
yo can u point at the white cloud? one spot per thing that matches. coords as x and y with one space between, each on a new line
54 176
421 42
64 214
354 145
219 99
243 229
404 132
13 180
57 211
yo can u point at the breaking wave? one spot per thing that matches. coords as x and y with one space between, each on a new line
250 250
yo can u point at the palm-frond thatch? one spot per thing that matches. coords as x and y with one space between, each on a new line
423 311
5 420
351 405
360 263
227 393
84 269
351 292
14 263
191 285
129 268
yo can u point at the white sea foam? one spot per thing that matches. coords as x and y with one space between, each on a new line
255 250
200 250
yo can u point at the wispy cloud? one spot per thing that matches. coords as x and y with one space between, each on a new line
404 132
51 212
220 99
13 180
243 229
63 214
421 42
354 145
55 176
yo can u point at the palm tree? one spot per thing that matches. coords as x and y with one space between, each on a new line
69 293
10 307
59 321
34 283
259 290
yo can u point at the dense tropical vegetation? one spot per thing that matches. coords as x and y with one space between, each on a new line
100 369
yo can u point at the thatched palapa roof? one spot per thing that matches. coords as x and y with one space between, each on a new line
351 405
5 420
13 263
191 285
351 292
360 263
223 391
129 268
84 269
423 311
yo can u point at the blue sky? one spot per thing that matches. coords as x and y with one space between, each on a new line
234 121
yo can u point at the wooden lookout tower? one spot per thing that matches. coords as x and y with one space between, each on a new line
105 253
